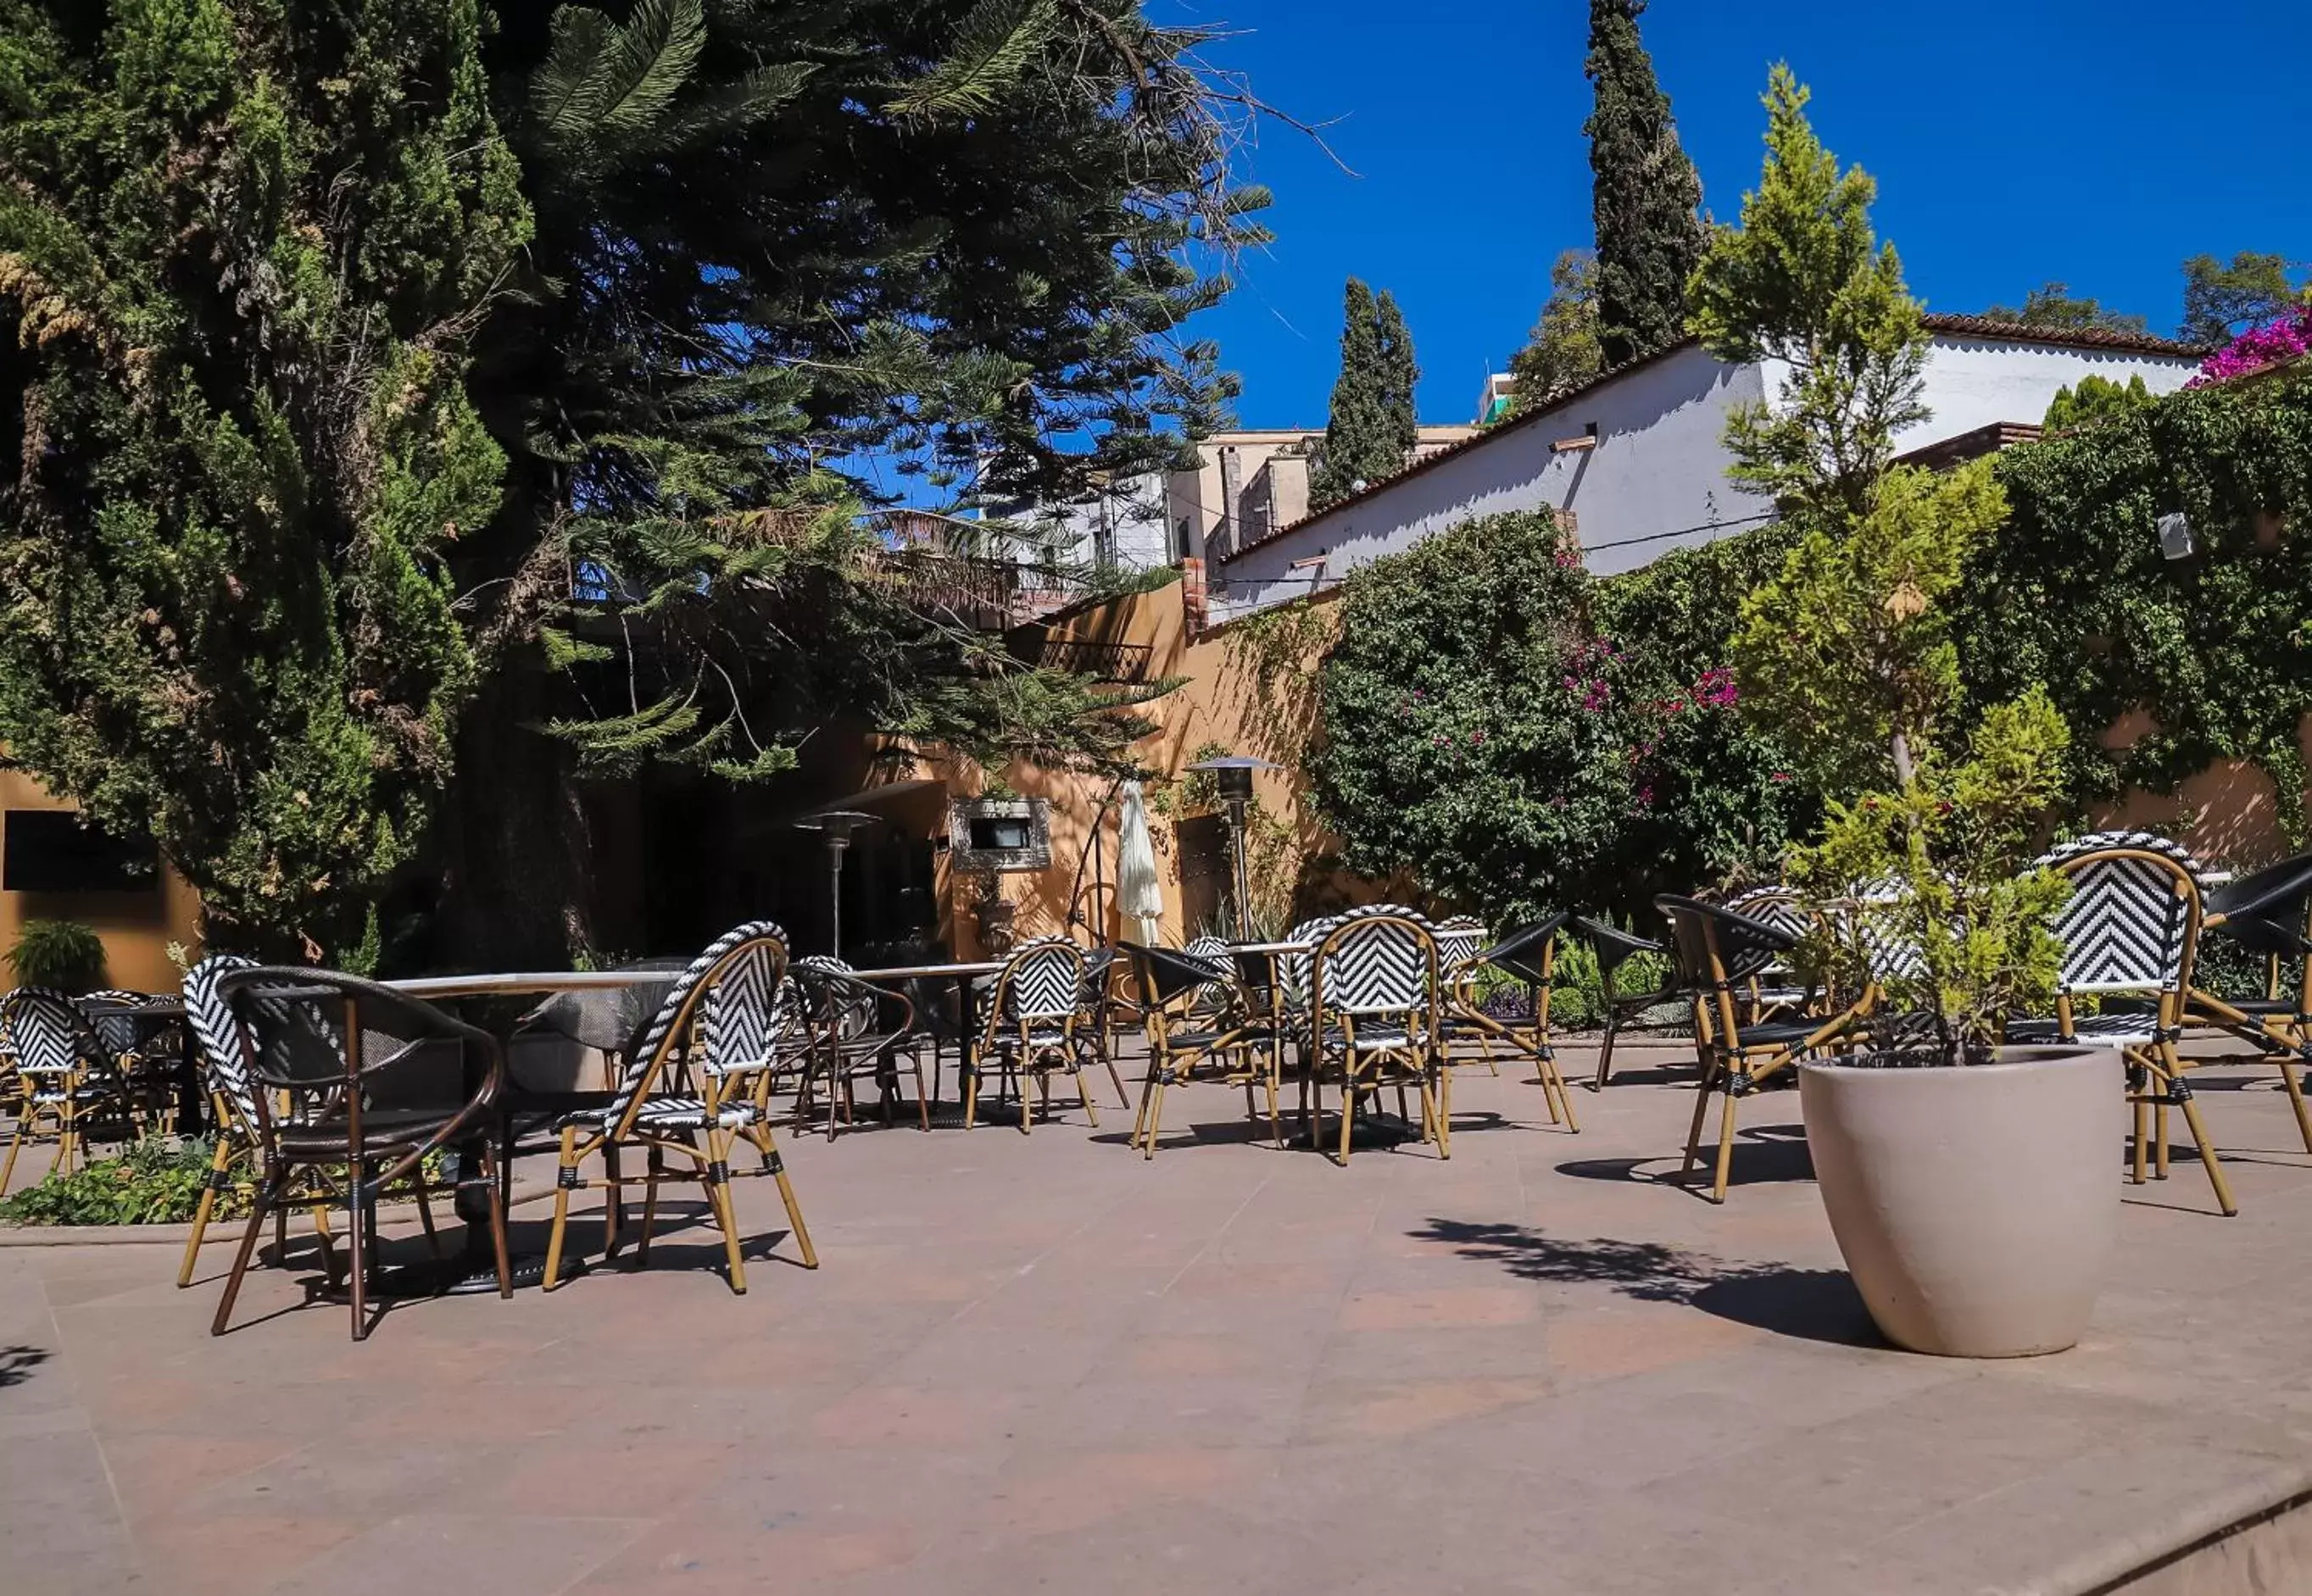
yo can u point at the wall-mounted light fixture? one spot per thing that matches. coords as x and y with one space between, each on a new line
2176 535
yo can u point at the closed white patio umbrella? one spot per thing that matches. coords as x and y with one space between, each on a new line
1139 896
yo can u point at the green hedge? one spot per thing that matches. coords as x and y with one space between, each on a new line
2076 594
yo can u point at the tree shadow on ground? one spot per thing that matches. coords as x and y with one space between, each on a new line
1810 1304
17 1364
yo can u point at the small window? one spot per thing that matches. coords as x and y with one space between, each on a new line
55 850
1000 833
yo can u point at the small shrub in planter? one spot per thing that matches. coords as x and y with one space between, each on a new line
61 954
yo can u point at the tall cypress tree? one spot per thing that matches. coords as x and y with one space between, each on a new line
1370 429
1645 194
1399 372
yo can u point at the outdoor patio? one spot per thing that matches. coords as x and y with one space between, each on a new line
1042 1363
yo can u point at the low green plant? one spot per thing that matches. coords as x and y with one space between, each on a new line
62 954
1577 996
154 1181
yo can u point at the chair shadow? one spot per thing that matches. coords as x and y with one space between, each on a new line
1764 1156
17 1363
1806 1305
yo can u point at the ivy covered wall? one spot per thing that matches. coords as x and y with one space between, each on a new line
2163 666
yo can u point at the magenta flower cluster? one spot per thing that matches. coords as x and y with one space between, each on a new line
1717 690
2257 348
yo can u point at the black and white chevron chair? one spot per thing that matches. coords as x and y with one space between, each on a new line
232 1096
66 1078
1038 1026
1374 1019
329 1040
1459 940
2131 928
1719 951
696 1085
2268 913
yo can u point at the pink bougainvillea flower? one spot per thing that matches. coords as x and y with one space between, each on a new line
1780 776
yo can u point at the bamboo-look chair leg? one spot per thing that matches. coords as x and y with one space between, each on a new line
1725 1146
1083 1091
24 1113
267 1193
614 1202
1024 1077
1108 1057
2159 1143
777 1167
1557 1082
1348 1110
2167 1071
1710 1071
2296 1101
1445 1114
653 1171
970 1069
563 1171
1276 1125
218 1163
718 1196
2139 1145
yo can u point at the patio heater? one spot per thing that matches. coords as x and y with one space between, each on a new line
1232 774
835 826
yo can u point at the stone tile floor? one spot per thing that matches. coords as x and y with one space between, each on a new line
1039 1362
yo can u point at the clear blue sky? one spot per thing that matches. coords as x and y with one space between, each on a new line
2095 142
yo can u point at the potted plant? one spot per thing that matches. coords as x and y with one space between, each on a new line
996 915
1971 1187
1970 1184
62 954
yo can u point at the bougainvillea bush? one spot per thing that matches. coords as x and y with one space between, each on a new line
1489 730
2258 347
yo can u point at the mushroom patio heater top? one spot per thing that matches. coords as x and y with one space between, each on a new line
1232 774
836 827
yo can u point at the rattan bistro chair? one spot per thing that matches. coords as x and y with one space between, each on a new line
1529 956
67 1080
329 1041
1193 1013
2269 913
1719 952
1038 1025
234 1159
1375 1020
2132 928
696 1083
1615 947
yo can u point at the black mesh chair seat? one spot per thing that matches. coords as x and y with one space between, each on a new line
2096 1030
1197 1013
383 1130
1779 1033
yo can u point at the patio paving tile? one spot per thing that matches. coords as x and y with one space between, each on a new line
1043 1363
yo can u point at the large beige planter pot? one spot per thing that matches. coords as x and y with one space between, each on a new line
1977 1208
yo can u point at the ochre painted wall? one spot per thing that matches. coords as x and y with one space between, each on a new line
136 927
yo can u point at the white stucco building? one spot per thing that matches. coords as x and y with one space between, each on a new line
1635 454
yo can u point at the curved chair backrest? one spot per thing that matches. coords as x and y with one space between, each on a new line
50 1034
1379 960
2132 922
1459 940
670 1028
1292 969
2266 911
2106 842
1043 980
746 1015
1714 944
1166 976
1779 907
1527 954
210 1018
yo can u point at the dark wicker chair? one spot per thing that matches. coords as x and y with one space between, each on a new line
1193 1013
854 1032
2269 914
330 1042
1529 956
1614 948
